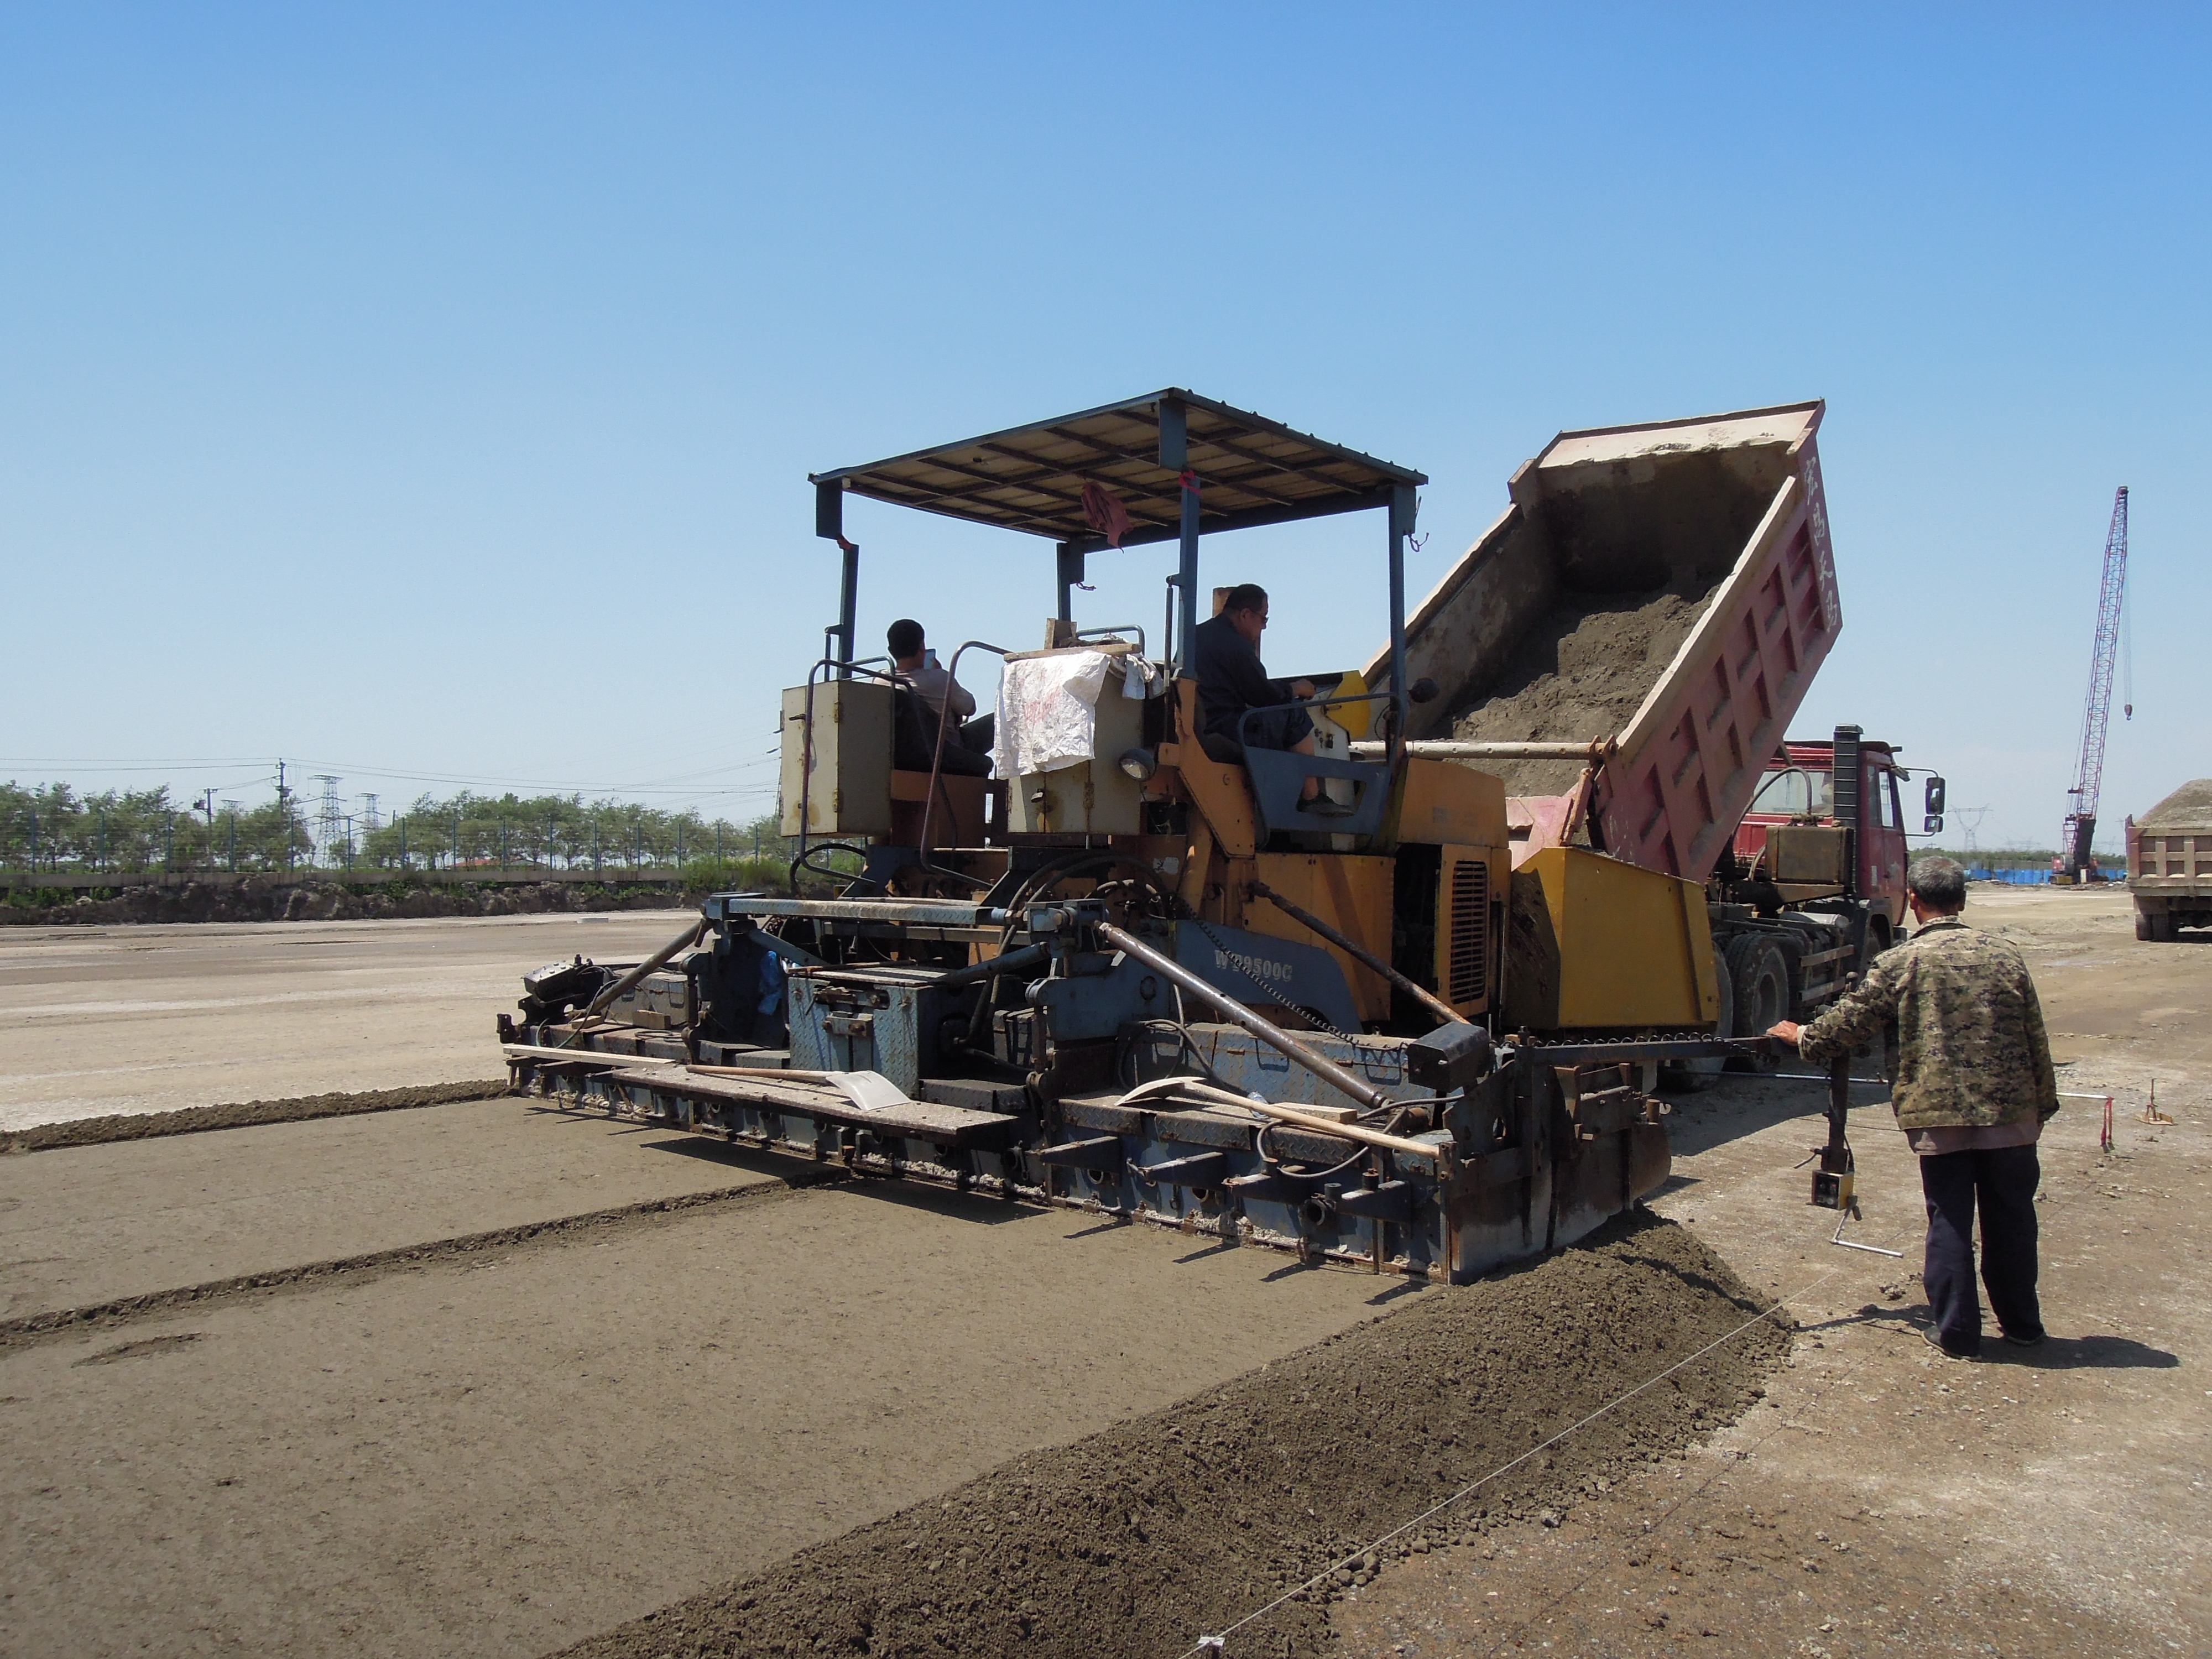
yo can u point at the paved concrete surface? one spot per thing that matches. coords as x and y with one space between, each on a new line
2052 1502
94 1020
90 1225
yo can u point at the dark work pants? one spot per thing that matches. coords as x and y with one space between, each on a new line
2002 1183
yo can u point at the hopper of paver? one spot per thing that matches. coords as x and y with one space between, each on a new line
1626 645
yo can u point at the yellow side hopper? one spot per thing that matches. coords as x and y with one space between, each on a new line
1596 943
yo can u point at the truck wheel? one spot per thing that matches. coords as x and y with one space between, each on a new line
2166 927
1877 941
1690 1077
2145 927
1761 983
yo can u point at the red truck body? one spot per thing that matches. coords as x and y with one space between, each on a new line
1799 788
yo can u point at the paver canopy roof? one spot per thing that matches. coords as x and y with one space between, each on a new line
1250 470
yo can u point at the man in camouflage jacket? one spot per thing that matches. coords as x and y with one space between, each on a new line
1973 1088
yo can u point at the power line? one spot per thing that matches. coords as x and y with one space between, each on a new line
558 787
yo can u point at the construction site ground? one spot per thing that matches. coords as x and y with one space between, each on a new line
106 1020
484 1378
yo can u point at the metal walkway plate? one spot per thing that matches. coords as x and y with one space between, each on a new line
921 1119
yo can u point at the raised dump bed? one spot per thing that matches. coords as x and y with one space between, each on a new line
1626 645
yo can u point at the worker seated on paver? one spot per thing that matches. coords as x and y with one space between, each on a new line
1225 660
929 696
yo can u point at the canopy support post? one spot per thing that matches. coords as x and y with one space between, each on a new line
1175 455
1069 561
1404 505
829 526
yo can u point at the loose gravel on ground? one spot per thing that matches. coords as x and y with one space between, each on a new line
1172 1525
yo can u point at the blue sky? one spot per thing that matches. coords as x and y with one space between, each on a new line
428 393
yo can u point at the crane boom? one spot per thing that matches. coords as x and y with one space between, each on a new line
2081 827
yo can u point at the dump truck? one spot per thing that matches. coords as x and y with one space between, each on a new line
1824 842
1624 647
2170 863
1355 1005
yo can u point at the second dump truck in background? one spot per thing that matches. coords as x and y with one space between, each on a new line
2170 863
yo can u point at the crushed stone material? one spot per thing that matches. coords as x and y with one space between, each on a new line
1174 1524
2189 807
1581 674
192 1119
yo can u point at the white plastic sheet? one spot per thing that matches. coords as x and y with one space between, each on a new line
1048 712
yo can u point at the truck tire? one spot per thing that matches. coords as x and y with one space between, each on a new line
1690 1077
1877 940
2145 927
1760 977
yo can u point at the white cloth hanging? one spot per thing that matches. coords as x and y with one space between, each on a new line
1048 712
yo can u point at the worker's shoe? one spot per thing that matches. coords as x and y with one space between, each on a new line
2019 1341
1936 1341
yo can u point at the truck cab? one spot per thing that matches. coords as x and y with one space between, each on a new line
1855 845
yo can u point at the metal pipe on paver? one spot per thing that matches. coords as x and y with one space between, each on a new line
660 959
917 913
1471 749
1013 961
533 1051
1273 1035
1290 1115
1360 953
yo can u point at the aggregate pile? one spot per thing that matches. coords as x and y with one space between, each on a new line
1169 1526
1581 674
2186 808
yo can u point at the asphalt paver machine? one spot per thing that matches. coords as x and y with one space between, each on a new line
1137 978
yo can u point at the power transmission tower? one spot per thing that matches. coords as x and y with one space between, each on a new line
2080 825
328 819
368 812
284 816
1969 819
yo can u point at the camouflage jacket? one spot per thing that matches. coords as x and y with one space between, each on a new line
1971 1048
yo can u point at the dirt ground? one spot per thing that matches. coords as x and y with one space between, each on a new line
1216 1514
484 1377
100 1020
1882 1500
129 1220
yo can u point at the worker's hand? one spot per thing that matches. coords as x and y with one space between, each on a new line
1788 1029
1302 688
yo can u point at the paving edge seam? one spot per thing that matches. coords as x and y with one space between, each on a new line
53 1322
67 1132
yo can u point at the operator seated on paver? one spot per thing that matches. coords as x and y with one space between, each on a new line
1974 1087
1225 660
930 696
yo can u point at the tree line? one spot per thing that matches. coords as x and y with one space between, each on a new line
55 828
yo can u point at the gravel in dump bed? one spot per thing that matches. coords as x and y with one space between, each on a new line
1170 1526
1582 672
2189 807
239 1114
